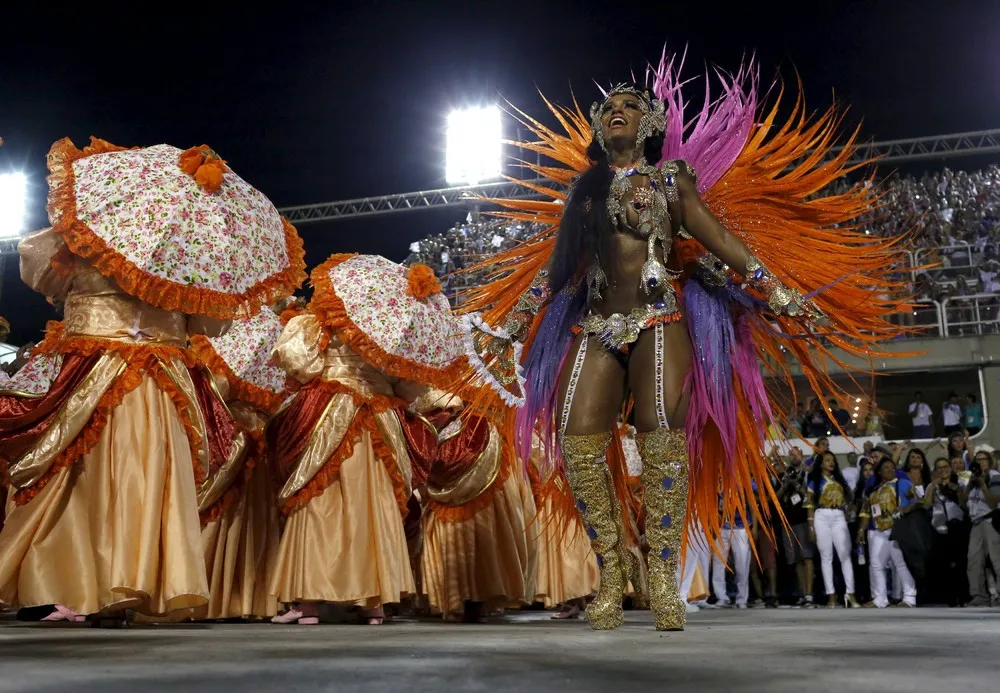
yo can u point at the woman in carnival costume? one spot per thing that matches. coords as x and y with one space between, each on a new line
147 246
373 336
239 513
681 253
479 544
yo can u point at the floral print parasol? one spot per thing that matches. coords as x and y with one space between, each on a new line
177 229
394 316
243 356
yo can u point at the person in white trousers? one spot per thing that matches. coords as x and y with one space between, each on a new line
733 538
828 495
696 556
888 501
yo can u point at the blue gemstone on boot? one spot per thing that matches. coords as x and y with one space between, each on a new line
665 521
668 483
665 553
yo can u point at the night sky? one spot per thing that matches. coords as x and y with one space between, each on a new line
315 104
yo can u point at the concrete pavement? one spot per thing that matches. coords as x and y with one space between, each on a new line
776 651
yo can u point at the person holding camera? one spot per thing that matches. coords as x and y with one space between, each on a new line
979 498
886 503
798 545
951 545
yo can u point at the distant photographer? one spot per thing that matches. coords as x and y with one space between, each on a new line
979 498
798 545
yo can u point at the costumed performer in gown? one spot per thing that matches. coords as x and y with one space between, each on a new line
338 448
240 519
105 466
479 543
656 286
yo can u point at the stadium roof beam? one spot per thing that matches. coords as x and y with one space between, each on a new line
929 148
920 148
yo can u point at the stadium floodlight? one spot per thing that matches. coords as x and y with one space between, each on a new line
13 204
474 146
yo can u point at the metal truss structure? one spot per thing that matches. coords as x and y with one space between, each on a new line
916 149
929 148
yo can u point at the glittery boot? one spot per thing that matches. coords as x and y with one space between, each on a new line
590 480
665 480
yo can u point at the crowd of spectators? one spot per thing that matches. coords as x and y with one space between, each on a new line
905 530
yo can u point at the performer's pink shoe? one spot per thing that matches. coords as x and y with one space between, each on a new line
63 613
295 616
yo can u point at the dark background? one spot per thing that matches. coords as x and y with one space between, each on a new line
312 103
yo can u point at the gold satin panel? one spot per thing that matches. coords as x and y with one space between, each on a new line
474 481
120 527
70 420
323 442
490 558
393 436
241 549
347 544
241 545
217 484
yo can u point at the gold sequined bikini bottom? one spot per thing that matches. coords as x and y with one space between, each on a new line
619 331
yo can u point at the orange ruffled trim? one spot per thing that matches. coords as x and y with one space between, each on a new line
364 420
329 309
139 364
468 511
265 400
162 293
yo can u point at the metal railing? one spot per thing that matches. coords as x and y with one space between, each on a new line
964 316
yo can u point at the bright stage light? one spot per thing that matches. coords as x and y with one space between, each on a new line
474 147
13 204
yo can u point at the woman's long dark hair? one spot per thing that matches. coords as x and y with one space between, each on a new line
816 477
925 471
861 486
584 234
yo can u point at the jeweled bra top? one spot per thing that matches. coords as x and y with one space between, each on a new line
649 203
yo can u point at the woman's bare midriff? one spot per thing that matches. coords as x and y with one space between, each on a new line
623 292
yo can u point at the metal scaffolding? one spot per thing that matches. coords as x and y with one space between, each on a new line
916 149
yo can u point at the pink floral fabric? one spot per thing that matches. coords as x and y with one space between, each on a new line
373 290
147 209
246 349
36 376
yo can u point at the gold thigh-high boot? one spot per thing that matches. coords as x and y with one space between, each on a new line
590 480
665 482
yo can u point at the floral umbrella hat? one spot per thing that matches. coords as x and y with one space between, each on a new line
243 357
395 317
177 229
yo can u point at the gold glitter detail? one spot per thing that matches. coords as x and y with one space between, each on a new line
590 480
665 482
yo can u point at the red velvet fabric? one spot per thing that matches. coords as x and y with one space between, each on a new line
288 433
220 426
24 419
